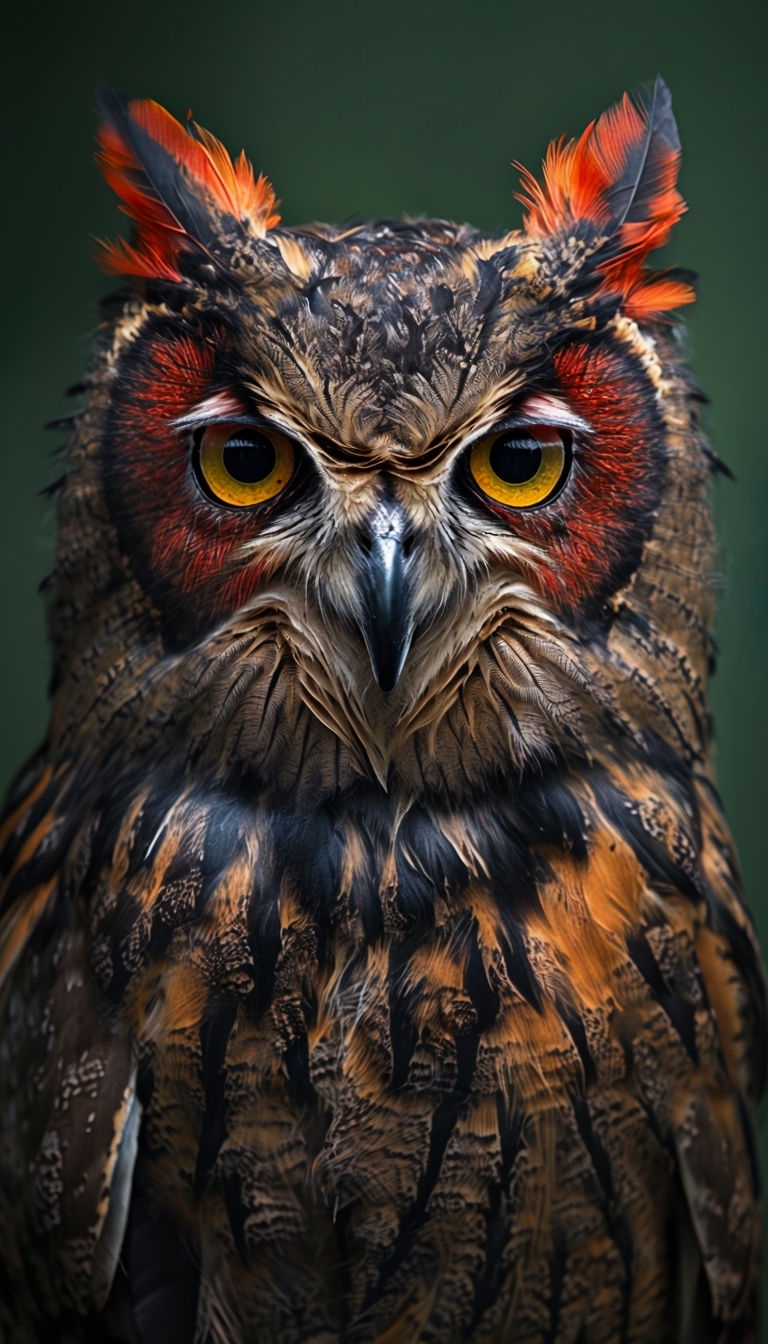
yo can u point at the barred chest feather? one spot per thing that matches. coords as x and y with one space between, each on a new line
437 1057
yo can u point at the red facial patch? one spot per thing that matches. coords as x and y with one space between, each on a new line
182 546
593 532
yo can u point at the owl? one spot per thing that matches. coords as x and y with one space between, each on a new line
373 963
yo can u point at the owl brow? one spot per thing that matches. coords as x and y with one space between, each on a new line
224 406
219 406
536 409
544 406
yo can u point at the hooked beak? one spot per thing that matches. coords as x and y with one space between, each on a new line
387 623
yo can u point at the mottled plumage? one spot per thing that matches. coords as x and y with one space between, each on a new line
373 964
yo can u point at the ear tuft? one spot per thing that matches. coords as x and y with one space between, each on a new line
620 177
176 184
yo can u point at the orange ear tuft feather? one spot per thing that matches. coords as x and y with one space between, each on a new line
174 182
620 176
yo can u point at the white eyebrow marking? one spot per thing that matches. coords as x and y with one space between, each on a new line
216 407
553 410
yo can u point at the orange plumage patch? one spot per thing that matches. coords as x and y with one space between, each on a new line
173 182
620 176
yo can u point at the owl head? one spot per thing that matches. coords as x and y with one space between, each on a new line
399 502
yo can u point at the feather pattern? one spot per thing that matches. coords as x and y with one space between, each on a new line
342 1008
175 184
620 177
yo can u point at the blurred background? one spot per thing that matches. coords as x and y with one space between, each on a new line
391 108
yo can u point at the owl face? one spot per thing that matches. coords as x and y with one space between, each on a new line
393 483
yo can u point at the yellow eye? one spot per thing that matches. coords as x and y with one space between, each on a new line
241 465
522 467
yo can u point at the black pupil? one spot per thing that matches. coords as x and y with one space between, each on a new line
516 458
249 457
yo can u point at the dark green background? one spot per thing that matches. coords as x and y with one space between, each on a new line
384 109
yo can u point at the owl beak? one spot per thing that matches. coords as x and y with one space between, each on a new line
387 623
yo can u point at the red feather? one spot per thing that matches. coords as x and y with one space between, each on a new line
203 178
620 175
